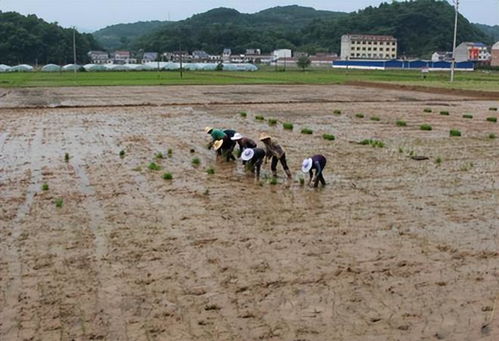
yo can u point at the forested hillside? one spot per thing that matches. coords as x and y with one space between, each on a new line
30 40
121 35
421 26
491 31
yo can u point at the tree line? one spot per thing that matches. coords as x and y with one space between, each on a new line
31 40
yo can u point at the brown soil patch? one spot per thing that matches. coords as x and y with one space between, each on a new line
390 249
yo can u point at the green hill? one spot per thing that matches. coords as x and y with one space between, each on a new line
30 40
121 35
421 27
491 31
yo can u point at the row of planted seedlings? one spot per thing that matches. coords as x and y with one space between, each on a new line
455 132
289 126
156 166
428 127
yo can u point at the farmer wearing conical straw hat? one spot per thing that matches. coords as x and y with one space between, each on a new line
276 153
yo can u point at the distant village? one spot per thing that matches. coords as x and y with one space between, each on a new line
354 47
358 51
252 56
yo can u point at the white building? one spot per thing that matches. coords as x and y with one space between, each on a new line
441 56
468 51
495 55
98 57
282 53
368 46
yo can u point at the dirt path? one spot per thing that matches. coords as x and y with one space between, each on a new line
391 249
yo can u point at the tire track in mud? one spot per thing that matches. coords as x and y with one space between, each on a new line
108 295
9 315
170 216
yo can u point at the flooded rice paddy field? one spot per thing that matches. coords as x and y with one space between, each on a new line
391 249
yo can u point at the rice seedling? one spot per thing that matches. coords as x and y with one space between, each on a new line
467 166
493 108
337 112
122 154
492 119
59 202
154 166
259 118
438 160
467 116
372 143
272 121
159 155
196 161
401 123
170 152
307 131
167 176
45 187
273 181
492 136
401 150
359 115
287 126
454 133
426 127
243 114
302 181
375 118
206 192
137 169
444 113
66 157
210 171
427 110
328 137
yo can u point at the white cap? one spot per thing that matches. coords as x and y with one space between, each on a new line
247 154
306 165
236 137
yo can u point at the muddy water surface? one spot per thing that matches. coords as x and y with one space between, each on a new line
391 249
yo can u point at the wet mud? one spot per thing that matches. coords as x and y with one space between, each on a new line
391 249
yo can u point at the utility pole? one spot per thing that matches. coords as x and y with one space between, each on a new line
74 49
453 66
180 52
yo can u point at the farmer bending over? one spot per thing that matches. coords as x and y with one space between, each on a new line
254 157
224 147
317 163
274 151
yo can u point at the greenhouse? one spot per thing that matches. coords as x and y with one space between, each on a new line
71 67
4 68
94 67
201 66
51 68
21 68
115 67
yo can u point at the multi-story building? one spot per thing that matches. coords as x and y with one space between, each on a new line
282 53
475 52
368 46
98 57
495 55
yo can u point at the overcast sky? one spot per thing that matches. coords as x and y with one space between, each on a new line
91 15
